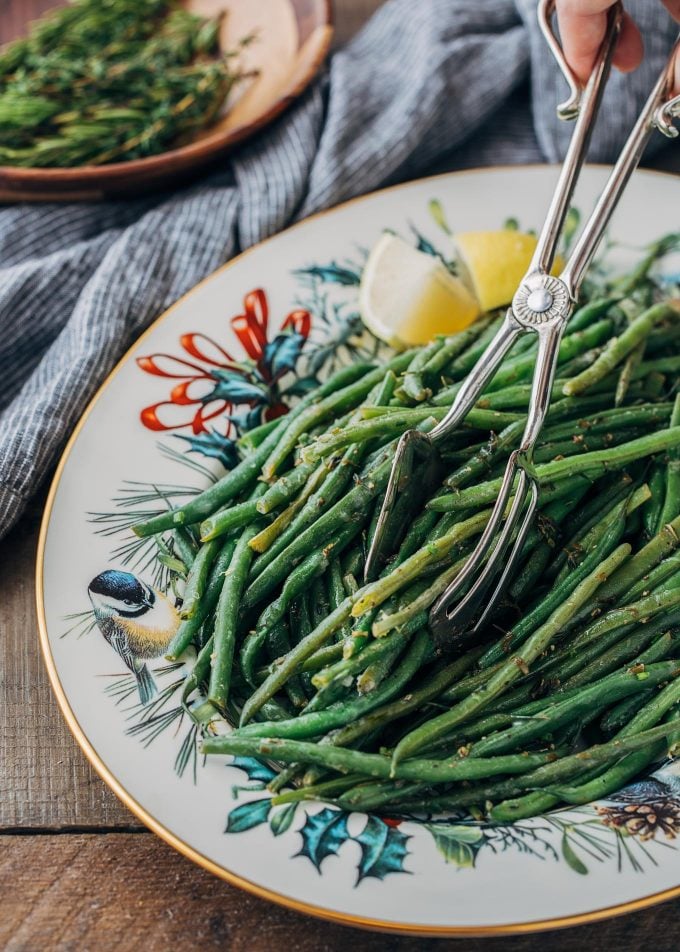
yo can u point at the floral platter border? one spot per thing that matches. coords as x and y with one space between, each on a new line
233 353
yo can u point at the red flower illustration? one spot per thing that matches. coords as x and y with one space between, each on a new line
212 382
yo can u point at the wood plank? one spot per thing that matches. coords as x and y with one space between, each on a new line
132 892
45 781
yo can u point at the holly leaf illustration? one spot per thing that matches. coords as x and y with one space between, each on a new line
254 769
281 354
248 815
235 389
213 444
572 860
456 842
322 835
301 386
383 850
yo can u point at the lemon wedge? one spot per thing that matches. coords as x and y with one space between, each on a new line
407 296
494 263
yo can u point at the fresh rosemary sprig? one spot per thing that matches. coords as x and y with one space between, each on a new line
102 81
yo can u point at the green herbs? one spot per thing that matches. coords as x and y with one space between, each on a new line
101 81
572 688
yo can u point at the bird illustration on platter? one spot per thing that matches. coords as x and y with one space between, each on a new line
137 620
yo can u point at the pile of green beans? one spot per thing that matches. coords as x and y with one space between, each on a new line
572 688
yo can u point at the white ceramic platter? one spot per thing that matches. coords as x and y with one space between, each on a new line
440 877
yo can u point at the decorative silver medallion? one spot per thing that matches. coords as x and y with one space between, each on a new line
539 299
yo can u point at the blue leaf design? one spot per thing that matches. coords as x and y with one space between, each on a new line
332 273
214 445
424 244
236 389
248 815
301 386
383 850
253 769
282 353
323 834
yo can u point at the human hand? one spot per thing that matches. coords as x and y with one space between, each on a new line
582 28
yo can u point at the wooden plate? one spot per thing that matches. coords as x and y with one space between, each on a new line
293 39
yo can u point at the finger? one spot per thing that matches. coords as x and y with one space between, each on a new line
582 28
583 24
673 7
630 48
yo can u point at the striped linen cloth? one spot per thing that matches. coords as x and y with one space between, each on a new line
426 86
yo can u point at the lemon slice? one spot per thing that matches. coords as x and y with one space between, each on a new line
495 262
407 297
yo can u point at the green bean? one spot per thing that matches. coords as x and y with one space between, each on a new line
369 797
592 464
285 488
643 724
618 348
337 401
413 385
592 699
289 665
185 546
189 629
251 439
320 722
391 422
234 517
662 575
375 593
568 766
321 500
639 565
508 672
609 535
671 502
198 578
251 648
633 359
644 609
323 657
269 537
454 346
371 765
379 717
278 645
242 476
620 714
350 665
226 621
321 791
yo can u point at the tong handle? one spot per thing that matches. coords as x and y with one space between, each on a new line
479 376
571 107
658 113
583 105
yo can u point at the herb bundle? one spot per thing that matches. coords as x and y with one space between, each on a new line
102 81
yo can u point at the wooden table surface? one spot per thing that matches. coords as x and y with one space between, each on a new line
80 873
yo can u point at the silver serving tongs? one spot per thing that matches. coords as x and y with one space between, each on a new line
542 305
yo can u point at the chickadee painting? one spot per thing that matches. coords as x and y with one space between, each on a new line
137 621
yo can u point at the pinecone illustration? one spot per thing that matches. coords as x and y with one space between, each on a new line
644 819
